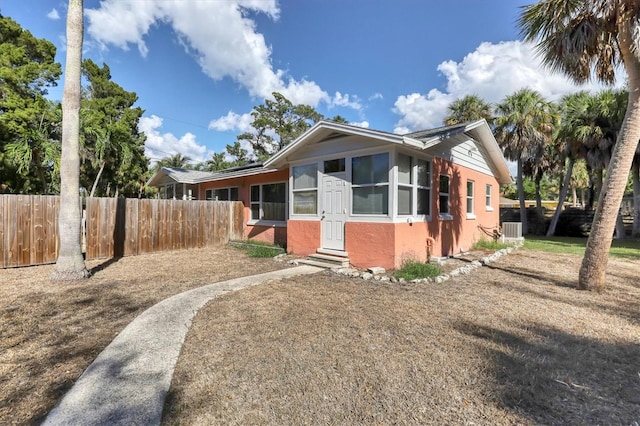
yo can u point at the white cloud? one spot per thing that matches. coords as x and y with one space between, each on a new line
232 121
53 15
376 96
160 145
345 101
220 35
492 72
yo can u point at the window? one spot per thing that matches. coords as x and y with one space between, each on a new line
268 202
424 187
470 211
444 195
405 184
370 184
334 166
305 189
487 197
221 194
414 183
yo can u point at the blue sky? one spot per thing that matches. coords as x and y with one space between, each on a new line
199 66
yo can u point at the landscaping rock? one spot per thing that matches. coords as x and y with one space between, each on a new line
367 276
377 270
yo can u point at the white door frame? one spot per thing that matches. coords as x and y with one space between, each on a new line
334 210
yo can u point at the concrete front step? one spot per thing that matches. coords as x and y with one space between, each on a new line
330 260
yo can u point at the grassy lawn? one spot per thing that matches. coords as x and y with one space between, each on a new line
629 249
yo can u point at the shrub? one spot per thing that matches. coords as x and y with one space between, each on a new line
485 244
412 270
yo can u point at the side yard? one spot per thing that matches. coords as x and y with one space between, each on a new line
512 343
50 333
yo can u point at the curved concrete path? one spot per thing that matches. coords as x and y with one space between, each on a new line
128 382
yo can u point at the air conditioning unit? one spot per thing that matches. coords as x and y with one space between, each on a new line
511 231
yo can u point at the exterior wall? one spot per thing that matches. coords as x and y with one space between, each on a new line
370 244
274 233
459 234
303 237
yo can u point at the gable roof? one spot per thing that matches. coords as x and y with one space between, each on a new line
420 140
187 176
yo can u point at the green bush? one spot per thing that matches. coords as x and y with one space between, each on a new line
412 270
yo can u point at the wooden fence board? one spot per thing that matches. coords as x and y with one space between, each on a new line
114 227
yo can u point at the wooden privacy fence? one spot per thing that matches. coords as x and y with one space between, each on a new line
28 229
127 226
114 227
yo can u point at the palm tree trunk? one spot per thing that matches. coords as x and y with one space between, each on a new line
561 197
635 230
538 195
594 263
95 182
70 264
523 208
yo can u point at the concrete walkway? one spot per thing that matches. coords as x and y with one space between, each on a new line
128 382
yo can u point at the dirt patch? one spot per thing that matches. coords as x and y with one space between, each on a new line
52 332
512 343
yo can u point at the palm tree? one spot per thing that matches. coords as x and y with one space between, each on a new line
569 145
177 160
584 39
70 263
468 108
525 123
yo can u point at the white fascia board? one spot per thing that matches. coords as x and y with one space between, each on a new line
280 158
413 143
488 141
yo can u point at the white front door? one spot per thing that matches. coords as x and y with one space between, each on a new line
334 211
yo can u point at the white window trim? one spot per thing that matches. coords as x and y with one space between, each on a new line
369 185
446 215
415 187
470 214
292 212
488 197
263 222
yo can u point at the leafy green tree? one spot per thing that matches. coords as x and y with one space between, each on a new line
70 263
113 148
29 124
277 123
525 124
585 39
468 108
240 155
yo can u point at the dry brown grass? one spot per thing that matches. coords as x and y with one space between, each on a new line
512 343
51 332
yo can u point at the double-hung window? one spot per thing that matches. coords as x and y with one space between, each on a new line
414 185
405 185
424 187
305 189
487 198
470 199
444 196
370 184
268 202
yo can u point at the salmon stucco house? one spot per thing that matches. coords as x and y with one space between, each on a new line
374 197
